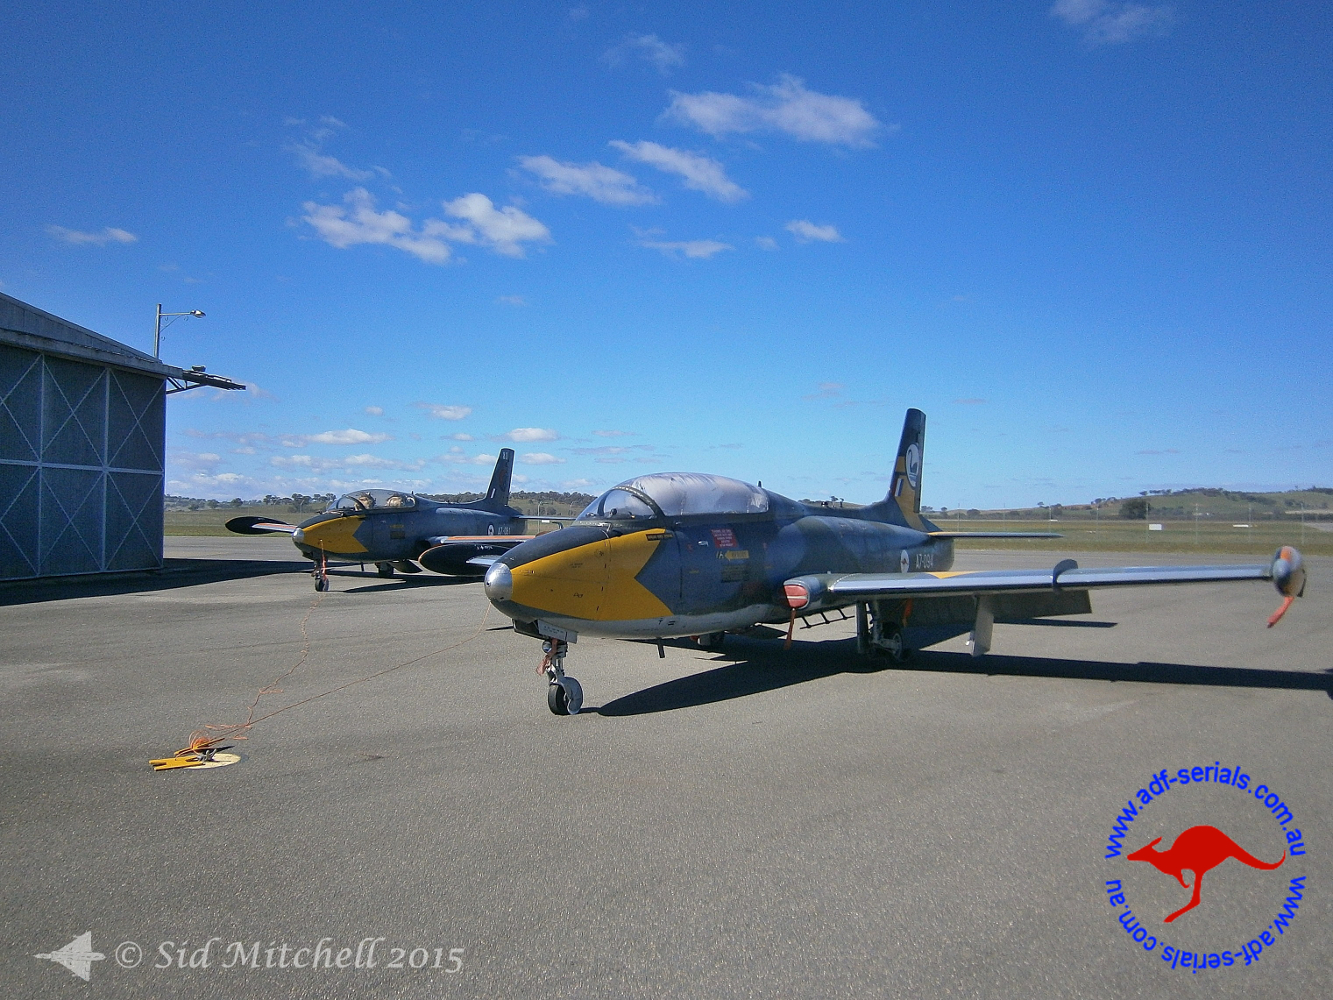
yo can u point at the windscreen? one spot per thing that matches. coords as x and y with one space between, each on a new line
617 505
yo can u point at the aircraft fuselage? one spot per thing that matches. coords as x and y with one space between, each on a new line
392 534
693 575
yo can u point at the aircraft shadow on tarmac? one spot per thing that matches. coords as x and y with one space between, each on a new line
376 583
759 667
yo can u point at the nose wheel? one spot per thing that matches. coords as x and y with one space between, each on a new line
321 575
564 695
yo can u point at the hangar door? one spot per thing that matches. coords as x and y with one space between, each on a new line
81 460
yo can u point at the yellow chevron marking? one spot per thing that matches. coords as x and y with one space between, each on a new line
335 536
595 582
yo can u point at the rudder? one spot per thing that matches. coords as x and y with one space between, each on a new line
905 487
498 492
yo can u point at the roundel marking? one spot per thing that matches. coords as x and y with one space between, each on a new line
904 562
914 464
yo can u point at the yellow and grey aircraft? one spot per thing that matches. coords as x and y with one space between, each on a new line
687 554
399 530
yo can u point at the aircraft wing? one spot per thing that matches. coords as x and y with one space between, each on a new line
1062 577
986 596
259 526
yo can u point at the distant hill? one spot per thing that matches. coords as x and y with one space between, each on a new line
1315 503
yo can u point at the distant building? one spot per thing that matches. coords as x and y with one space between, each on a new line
82 445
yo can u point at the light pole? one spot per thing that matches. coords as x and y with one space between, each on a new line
157 327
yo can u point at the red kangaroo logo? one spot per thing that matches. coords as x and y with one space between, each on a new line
1200 849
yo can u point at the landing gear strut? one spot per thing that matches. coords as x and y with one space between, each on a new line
564 695
879 629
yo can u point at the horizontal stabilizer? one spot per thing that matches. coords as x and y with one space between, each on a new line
259 526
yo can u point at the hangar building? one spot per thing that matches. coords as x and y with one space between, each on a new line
82 443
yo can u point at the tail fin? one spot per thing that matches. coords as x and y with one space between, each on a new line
498 492
905 487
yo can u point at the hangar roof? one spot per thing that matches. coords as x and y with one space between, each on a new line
27 326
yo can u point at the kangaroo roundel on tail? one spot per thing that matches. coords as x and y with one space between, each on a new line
905 487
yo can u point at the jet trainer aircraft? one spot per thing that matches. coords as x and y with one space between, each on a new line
687 554
399 530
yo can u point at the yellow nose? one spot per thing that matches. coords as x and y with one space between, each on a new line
336 535
595 581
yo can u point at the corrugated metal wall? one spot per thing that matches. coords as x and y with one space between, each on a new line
80 466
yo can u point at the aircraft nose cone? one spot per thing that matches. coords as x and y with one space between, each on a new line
499 582
298 536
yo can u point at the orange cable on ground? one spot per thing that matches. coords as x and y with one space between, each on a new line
200 740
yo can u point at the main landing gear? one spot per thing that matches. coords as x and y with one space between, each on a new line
879 629
564 695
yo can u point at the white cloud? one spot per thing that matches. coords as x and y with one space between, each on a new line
805 231
503 230
360 223
375 411
511 300
600 183
650 49
460 437
540 458
531 434
1108 22
318 463
615 434
108 235
322 165
694 249
699 173
445 412
766 243
349 436
375 462
456 457
786 106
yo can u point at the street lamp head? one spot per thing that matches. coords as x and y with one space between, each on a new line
196 312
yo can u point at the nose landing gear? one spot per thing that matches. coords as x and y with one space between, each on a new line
564 695
321 575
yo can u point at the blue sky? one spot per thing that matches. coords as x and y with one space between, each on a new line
1091 239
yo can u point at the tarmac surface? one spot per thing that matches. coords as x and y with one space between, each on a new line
751 823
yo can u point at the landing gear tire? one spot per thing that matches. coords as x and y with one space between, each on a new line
323 584
894 648
384 569
564 696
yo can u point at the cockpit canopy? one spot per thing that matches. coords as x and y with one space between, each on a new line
676 494
373 500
